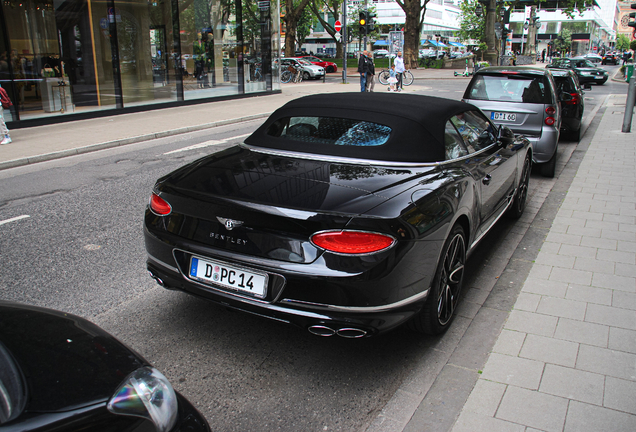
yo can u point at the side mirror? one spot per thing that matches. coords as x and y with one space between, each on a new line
565 97
505 135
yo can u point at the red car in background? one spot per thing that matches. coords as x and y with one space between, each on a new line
329 66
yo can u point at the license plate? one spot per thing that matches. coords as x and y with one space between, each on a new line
503 116
228 276
599 77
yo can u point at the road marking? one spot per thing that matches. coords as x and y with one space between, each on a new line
207 144
17 218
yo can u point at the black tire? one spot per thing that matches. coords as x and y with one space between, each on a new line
306 76
329 69
575 135
438 312
286 76
407 78
521 195
548 169
383 77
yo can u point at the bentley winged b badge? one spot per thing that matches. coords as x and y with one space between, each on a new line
229 224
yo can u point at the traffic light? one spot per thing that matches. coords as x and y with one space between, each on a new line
370 21
363 22
505 32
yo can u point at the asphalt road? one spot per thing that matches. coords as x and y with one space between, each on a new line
79 248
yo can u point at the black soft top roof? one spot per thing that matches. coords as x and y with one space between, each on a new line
417 124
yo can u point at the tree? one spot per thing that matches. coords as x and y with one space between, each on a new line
305 23
333 7
622 42
293 13
632 45
415 11
471 26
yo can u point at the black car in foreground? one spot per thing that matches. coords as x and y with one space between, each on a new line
571 96
346 214
583 68
60 372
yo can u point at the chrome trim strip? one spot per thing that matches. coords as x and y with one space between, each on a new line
369 309
478 239
355 161
163 264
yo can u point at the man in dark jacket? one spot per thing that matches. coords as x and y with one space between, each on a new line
363 70
370 72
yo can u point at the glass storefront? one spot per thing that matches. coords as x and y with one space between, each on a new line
64 57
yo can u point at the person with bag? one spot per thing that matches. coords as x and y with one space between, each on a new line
6 104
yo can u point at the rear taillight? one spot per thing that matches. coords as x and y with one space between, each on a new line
159 206
574 101
352 242
550 111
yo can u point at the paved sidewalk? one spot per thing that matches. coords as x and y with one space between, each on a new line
566 358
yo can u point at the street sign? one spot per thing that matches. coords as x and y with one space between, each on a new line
337 25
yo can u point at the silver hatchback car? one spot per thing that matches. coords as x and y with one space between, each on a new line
525 100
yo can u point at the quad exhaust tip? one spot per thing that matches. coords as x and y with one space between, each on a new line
345 332
157 279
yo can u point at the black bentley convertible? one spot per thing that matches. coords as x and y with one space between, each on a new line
345 214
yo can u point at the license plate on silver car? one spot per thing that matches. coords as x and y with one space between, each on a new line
228 276
502 116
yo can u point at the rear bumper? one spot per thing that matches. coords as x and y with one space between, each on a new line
544 146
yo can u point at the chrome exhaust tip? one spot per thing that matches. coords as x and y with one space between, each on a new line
157 279
319 330
351 333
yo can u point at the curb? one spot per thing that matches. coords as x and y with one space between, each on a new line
124 141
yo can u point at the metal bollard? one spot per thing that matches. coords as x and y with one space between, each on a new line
629 106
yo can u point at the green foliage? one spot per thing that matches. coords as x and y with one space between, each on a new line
564 44
470 25
305 23
632 45
622 42
431 63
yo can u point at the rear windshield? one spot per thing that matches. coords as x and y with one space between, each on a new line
330 130
564 84
509 88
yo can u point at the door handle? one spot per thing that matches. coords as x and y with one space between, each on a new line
486 180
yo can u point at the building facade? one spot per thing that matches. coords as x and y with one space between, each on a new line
71 59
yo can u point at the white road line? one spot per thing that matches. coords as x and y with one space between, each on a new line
207 144
17 218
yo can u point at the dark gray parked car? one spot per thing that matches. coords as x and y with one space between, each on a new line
525 100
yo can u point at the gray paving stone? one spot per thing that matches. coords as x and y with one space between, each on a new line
472 422
625 270
513 370
584 231
551 247
545 287
509 343
616 256
571 276
623 318
529 322
549 350
622 340
607 362
562 308
623 283
620 395
586 215
584 417
534 409
625 246
602 243
582 332
527 302
577 251
620 219
555 260
594 265
485 397
624 300
573 384
564 238
589 294
540 271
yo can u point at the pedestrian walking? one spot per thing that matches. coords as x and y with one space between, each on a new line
543 55
370 73
5 104
362 70
399 70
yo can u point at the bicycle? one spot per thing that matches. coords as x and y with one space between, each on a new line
292 73
407 77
